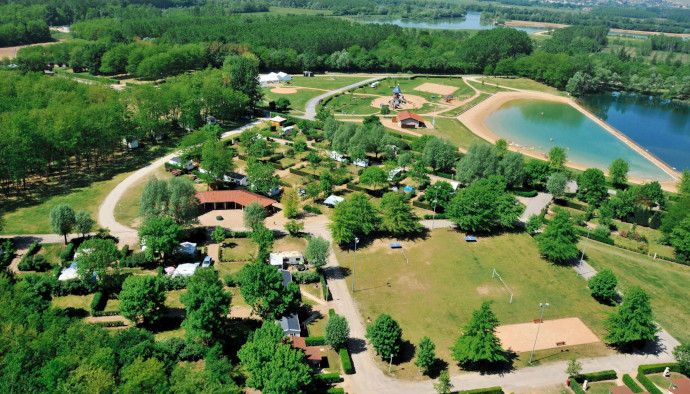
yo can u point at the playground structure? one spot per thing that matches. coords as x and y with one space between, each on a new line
398 100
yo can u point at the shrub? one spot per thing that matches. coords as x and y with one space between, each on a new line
135 260
596 376
335 390
6 252
328 378
593 235
311 209
124 252
628 381
105 313
346 361
118 323
98 302
656 368
648 384
232 280
576 387
66 254
171 283
306 277
219 217
489 390
36 263
602 231
324 287
315 341
438 216
525 193
331 312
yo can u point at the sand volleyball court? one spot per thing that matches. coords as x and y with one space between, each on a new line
552 334
284 90
436 88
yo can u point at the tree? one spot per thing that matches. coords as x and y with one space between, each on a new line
160 235
261 176
216 159
385 336
398 217
62 220
317 251
218 235
618 170
478 346
484 206
263 237
501 147
533 224
385 110
480 162
603 285
88 378
439 154
574 368
83 223
352 217
592 185
444 386
337 331
147 376
682 356
272 366
558 243
633 321
512 167
207 305
283 104
676 213
96 256
557 157
680 240
426 354
375 176
294 227
253 214
441 191
650 194
404 159
556 184
142 299
261 286
175 198
326 182
244 76
537 172
290 202
683 185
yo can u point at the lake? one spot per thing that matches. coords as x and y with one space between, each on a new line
541 125
661 126
472 21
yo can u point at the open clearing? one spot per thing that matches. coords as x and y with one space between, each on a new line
436 88
446 279
570 331
284 90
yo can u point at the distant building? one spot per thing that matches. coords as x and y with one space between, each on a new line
410 120
290 324
288 130
185 270
179 162
277 121
361 162
232 199
312 353
393 173
130 142
187 248
339 157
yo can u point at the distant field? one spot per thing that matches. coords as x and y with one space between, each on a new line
666 282
298 100
446 279
524 83
298 11
328 82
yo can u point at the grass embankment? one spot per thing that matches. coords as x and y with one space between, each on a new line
665 282
298 11
446 279
453 130
459 110
487 88
525 84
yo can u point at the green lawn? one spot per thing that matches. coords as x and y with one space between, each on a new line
52 252
328 82
666 282
73 301
239 249
459 110
526 84
228 268
127 208
487 88
662 381
453 130
600 387
287 244
447 279
298 100
408 85
352 104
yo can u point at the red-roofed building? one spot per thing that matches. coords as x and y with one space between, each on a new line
232 199
682 386
410 120
313 353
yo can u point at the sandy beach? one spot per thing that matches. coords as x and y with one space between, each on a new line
475 118
549 25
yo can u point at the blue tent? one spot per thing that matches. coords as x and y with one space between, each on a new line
408 189
395 245
470 239
397 89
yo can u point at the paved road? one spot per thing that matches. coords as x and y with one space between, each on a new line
536 204
310 110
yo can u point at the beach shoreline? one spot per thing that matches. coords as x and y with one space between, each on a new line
475 118
550 25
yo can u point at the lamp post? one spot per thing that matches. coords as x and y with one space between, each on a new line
542 306
577 271
354 265
390 364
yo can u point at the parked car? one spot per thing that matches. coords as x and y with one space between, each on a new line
207 262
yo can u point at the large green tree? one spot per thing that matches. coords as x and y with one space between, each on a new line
398 217
144 376
633 322
512 167
83 223
618 170
253 214
385 335
317 251
207 305
261 176
374 176
680 239
290 202
175 198
97 257
603 285
62 220
480 161
142 299
484 206
160 235
439 154
353 217
478 346
556 184
558 243
557 158
261 286
426 354
592 185
216 160
537 172
244 76
337 331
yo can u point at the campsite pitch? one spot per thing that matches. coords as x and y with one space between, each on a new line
552 334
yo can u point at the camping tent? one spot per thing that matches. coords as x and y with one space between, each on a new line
283 76
333 200
269 78
187 248
185 269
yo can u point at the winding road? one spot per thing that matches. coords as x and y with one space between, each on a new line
310 109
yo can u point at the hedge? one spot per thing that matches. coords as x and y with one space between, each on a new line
105 313
571 204
305 277
66 254
648 384
336 390
596 376
346 361
488 390
657 368
311 209
525 193
98 302
422 205
324 287
315 341
634 387
328 378
331 312
33 248
576 387
438 216
118 323
594 236
302 173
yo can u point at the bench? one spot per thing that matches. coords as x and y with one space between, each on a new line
536 321
562 343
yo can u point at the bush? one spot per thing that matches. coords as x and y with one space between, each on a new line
628 381
324 287
331 312
315 341
118 323
335 390
346 361
576 387
7 252
571 204
232 280
438 216
657 368
593 235
171 283
596 376
648 384
135 260
311 209
305 277
328 378
489 390
525 193
98 302
105 313
602 231
66 254
36 263
124 252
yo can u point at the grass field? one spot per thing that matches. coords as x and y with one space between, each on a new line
127 208
298 100
524 83
407 86
447 279
298 11
352 104
487 88
328 82
457 111
665 282
52 252
600 387
662 381
73 301
453 130
239 249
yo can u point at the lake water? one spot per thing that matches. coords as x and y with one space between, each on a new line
541 125
472 21
661 126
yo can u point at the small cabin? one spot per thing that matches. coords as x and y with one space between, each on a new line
339 157
409 120
238 179
361 162
277 121
179 162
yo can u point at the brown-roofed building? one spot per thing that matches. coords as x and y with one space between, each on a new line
410 120
232 199
682 386
313 353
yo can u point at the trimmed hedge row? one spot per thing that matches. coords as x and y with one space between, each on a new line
66 254
596 376
336 390
657 368
105 313
438 216
98 302
33 248
331 312
118 323
305 277
346 361
571 204
525 193
575 386
422 205
328 378
302 173
488 390
634 387
324 287
648 384
592 235
315 341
